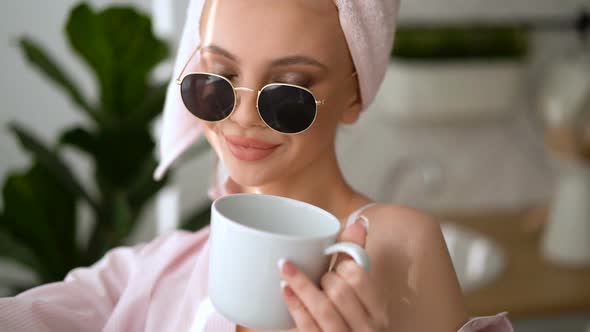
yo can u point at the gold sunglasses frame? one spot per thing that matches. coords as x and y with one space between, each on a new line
181 78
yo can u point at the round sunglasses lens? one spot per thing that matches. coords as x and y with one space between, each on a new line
287 109
208 97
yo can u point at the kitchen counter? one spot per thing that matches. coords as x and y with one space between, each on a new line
529 286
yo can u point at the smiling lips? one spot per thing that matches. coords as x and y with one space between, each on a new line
249 149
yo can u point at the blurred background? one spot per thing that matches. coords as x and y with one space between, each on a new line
482 120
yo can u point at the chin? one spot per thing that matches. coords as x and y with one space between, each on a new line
251 174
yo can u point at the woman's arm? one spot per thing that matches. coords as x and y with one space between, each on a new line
82 302
414 270
420 280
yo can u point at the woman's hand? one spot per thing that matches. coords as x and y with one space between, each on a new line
347 300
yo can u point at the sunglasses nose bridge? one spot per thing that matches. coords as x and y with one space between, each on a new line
242 88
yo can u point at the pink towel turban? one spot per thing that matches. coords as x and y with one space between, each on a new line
368 26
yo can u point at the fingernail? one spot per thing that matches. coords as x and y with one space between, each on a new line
363 219
280 263
283 284
286 267
365 222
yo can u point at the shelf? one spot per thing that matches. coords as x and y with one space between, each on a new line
483 10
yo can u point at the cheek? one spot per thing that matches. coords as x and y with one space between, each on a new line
211 133
317 139
326 122
209 129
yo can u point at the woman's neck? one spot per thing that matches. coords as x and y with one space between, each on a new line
321 184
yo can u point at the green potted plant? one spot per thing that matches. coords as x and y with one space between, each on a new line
39 221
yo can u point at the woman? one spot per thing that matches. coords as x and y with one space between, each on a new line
298 69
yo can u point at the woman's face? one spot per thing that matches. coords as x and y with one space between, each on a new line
254 43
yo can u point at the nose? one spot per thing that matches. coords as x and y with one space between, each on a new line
246 114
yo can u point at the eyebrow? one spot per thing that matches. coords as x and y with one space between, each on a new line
285 61
298 59
219 50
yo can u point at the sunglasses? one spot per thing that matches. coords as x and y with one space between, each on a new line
285 108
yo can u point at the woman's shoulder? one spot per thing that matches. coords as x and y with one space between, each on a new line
407 242
396 215
402 227
411 253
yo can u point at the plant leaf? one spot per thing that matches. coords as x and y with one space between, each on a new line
15 251
88 40
448 42
122 216
152 104
37 57
40 214
120 47
145 187
79 138
198 218
53 163
121 154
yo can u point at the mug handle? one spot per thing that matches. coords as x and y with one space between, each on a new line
354 250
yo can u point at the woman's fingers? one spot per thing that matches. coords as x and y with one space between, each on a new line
355 233
360 283
303 319
318 305
346 301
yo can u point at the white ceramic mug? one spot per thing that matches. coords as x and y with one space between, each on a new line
249 233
